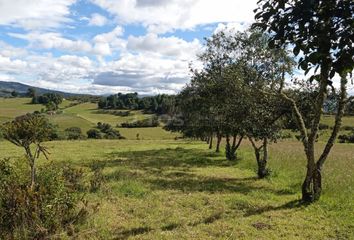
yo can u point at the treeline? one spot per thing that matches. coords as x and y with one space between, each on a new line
159 104
247 89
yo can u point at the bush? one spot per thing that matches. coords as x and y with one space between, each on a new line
109 132
323 126
39 213
98 178
153 122
94 133
348 128
346 138
74 133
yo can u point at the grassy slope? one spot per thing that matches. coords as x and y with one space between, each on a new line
84 116
165 189
180 190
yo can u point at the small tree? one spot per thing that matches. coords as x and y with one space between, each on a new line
29 132
31 92
323 32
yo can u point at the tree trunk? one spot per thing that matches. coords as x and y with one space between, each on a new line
262 161
31 160
263 171
218 141
231 150
211 142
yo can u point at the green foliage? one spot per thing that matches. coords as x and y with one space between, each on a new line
347 138
50 100
38 213
320 30
160 104
31 92
74 133
94 133
97 179
149 122
109 132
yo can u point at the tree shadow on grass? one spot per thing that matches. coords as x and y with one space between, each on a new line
172 169
132 232
168 158
294 204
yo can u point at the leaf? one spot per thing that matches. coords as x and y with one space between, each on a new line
296 50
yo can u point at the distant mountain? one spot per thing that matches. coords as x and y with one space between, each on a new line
6 88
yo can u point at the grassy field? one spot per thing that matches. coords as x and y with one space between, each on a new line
85 116
161 188
180 190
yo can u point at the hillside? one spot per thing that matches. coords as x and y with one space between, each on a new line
7 87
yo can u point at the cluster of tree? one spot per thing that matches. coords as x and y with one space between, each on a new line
241 90
104 130
50 100
159 104
149 122
74 133
347 138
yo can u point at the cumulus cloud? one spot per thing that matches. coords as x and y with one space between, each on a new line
165 46
8 65
97 20
167 15
53 40
103 43
37 14
143 71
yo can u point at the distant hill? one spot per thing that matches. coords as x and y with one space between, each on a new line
7 87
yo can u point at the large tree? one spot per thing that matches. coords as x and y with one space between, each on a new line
322 31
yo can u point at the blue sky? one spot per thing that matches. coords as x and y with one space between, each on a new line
106 46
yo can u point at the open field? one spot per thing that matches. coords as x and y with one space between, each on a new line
180 190
161 188
85 116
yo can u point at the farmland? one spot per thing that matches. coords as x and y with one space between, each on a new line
161 188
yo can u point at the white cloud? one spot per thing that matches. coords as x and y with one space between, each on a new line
35 14
97 20
103 43
143 72
52 40
165 46
8 65
166 15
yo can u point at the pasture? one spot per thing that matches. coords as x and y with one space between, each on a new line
161 188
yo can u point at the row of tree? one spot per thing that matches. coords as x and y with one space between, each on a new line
159 104
242 90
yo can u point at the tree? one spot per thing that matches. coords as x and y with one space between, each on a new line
94 133
323 32
31 92
26 131
14 93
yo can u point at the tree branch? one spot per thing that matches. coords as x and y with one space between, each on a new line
337 123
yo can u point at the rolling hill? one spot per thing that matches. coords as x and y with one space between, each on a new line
7 87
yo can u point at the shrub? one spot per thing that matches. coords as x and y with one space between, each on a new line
98 178
74 133
348 128
40 212
94 133
323 126
153 122
109 132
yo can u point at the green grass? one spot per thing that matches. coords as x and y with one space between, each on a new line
346 120
166 189
13 107
85 116
159 188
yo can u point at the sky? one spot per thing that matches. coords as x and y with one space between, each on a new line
110 46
